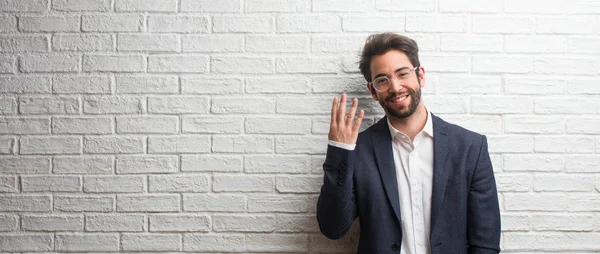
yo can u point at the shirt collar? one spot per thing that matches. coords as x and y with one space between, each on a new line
427 129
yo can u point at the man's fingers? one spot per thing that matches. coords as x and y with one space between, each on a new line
334 109
352 111
358 121
342 109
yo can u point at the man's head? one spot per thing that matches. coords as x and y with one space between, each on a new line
390 64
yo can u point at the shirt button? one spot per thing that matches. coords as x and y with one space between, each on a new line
395 247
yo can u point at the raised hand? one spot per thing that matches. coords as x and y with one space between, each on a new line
344 128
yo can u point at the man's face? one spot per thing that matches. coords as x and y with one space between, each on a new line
402 96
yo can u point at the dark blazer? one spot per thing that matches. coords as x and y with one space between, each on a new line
465 217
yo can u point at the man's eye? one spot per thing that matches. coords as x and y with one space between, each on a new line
403 74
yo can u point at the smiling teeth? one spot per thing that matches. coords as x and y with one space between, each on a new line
400 99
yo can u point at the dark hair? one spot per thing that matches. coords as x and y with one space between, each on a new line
379 44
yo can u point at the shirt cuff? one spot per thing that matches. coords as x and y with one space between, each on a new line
342 145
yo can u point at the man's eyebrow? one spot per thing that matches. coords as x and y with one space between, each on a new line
397 70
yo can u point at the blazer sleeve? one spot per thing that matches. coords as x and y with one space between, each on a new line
483 212
336 209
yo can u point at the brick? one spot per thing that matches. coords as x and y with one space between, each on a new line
563 183
8 105
177 63
8 63
337 43
49 23
269 85
471 6
343 6
52 222
502 24
243 223
562 223
114 63
114 144
379 23
50 145
271 43
516 222
470 84
547 65
301 145
510 144
114 184
25 84
513 182
583 203
304 105
179 223
24 125
146 6
211 163
23 6
242 24
148 203
178 105
81 84
308 24
437 23
179 144
88 165
446 63
193 85
148 124
497 64
276 243
498 104
583 163
582 45
177 24
25 165
82 125
48 105
391 5
8 222
298 184
25 203
142 164
277 125
214 203
243 105
147 84
204 242
242 183
51 183
179 183
564 144
583 125
112 23
523 85
534 125
212 43
242 65
212 124
82 42
296 223
23 43
565 25
228 6
151 242
53 62
115 223
572 106
445 104
8 184
278 203
26 241
6 145
472 43
242 144
534 44
87 242
557 7
148 42
84 203
8 24
533 162
298 65
276 164
534 202
79 5
269 6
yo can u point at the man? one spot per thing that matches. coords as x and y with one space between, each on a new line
417 183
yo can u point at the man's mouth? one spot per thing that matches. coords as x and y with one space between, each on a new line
399 99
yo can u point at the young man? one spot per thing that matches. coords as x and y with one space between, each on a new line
417 183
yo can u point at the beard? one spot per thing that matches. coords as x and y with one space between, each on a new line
405 111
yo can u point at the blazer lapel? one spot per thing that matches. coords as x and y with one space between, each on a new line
382 146
440 175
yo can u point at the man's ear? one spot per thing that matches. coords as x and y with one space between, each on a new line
372 91
421 76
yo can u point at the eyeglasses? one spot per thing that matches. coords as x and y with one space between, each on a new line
383 83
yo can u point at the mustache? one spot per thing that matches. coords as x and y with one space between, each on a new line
408 91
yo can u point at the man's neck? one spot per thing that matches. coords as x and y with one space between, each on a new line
412 125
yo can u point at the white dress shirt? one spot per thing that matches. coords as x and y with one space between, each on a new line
414 174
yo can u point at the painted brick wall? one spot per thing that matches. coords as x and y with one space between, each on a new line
200 125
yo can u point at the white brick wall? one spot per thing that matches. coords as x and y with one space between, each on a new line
200 125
